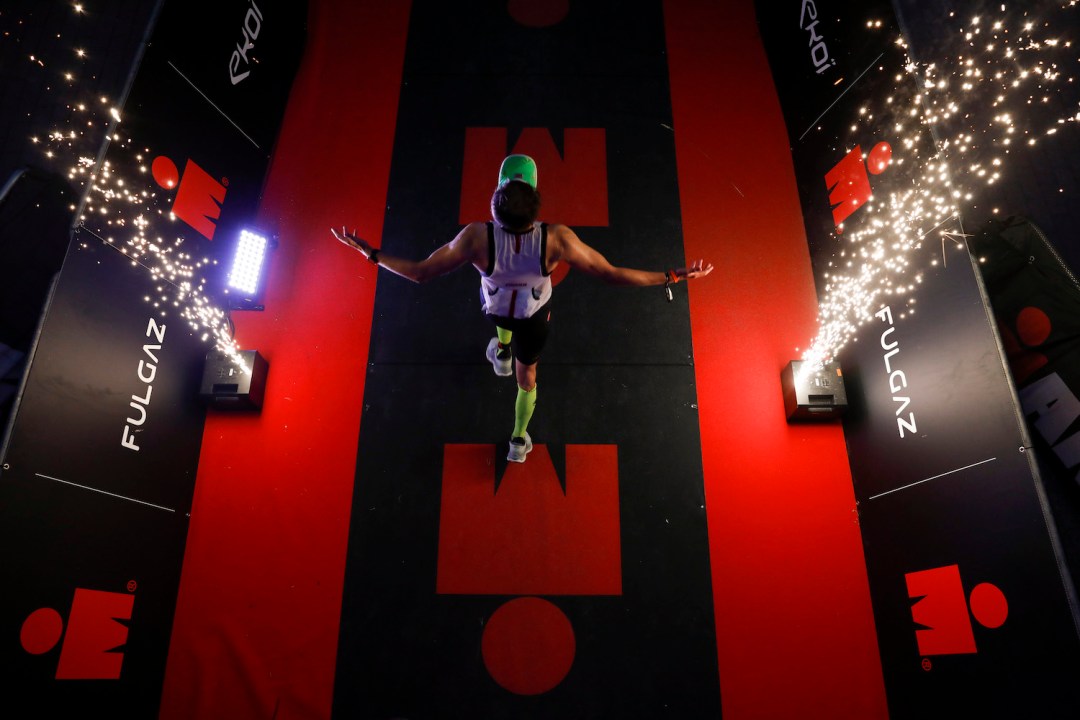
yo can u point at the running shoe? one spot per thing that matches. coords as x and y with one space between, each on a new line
501 360
519 448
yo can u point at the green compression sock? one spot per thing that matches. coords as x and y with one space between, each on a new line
523 410
504 336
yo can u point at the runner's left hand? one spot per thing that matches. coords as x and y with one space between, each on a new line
353 240
697 269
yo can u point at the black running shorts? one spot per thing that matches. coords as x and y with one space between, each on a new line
529 334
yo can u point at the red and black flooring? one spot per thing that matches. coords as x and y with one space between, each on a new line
594 554
664 550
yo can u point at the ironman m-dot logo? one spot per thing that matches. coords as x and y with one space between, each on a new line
91 645
940 610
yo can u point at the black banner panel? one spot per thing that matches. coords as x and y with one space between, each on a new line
100 464
576 584
974 607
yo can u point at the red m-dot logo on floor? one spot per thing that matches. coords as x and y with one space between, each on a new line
529 537
940 610
91 646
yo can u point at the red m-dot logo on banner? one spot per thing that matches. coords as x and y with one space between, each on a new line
849 183
941 610
529 538
198 195
95 634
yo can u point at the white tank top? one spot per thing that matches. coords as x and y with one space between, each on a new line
516 283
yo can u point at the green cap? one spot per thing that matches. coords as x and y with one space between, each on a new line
517 167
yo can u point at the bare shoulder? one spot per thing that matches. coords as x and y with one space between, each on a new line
472 236
472 244
560 238
473 230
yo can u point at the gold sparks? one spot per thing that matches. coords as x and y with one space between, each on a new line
121 207
121 210
952 125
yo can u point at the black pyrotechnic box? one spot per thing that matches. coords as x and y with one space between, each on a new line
813 391
227 386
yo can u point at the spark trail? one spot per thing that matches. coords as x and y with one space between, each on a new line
953 123
121 207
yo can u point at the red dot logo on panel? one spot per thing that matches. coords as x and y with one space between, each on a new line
941 610
529 538
1033 328
198 195
848 181
91 647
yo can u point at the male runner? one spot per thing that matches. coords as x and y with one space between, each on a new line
515 256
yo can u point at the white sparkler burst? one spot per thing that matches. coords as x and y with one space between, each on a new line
951 125
123 210
127 213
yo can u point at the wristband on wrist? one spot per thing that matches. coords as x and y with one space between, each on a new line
670 278
374 256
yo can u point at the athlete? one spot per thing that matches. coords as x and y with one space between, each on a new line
515 256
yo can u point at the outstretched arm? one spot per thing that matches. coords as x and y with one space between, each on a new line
569 247
464 248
